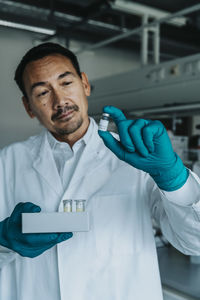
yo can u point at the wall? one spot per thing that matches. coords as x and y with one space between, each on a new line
15 124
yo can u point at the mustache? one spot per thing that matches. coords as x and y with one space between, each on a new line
63 110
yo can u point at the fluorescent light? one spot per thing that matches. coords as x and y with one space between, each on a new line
27 27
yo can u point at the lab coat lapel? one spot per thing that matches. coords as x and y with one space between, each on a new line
45 165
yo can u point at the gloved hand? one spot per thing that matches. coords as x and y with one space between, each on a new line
145 145
27 244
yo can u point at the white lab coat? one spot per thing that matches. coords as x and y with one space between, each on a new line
116 259
196 168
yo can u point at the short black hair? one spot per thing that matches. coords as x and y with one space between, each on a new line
39 52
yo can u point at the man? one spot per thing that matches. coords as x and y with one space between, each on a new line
139 178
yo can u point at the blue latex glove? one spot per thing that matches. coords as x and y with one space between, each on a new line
27 244
145 145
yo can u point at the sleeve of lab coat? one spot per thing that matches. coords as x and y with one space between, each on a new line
178 215
6 255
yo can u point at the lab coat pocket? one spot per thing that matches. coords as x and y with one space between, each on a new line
116 225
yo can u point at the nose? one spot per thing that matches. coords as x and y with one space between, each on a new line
59 99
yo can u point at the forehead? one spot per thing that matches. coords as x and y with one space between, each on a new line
47 68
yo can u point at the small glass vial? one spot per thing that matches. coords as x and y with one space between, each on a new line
103 124
80 205
67 205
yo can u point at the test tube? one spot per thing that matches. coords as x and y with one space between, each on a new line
80 205
67 205
103 124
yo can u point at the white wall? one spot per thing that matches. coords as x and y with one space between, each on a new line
14 122
15 125
104 62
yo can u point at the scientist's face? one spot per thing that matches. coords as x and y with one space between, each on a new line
57 96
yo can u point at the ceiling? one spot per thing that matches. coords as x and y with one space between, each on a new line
97 20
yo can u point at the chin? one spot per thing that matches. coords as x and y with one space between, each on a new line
70 128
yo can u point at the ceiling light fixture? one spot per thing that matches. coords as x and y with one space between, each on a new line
31 28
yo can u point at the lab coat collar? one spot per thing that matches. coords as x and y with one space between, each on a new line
44 164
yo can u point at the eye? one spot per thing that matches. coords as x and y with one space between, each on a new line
66 82
42 94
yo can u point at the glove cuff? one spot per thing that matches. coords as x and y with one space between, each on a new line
3 241
173 178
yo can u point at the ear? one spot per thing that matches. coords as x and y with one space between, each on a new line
86 84
27 107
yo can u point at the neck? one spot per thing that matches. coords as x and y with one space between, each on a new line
72 138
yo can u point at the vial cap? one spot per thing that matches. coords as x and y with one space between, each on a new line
106 115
